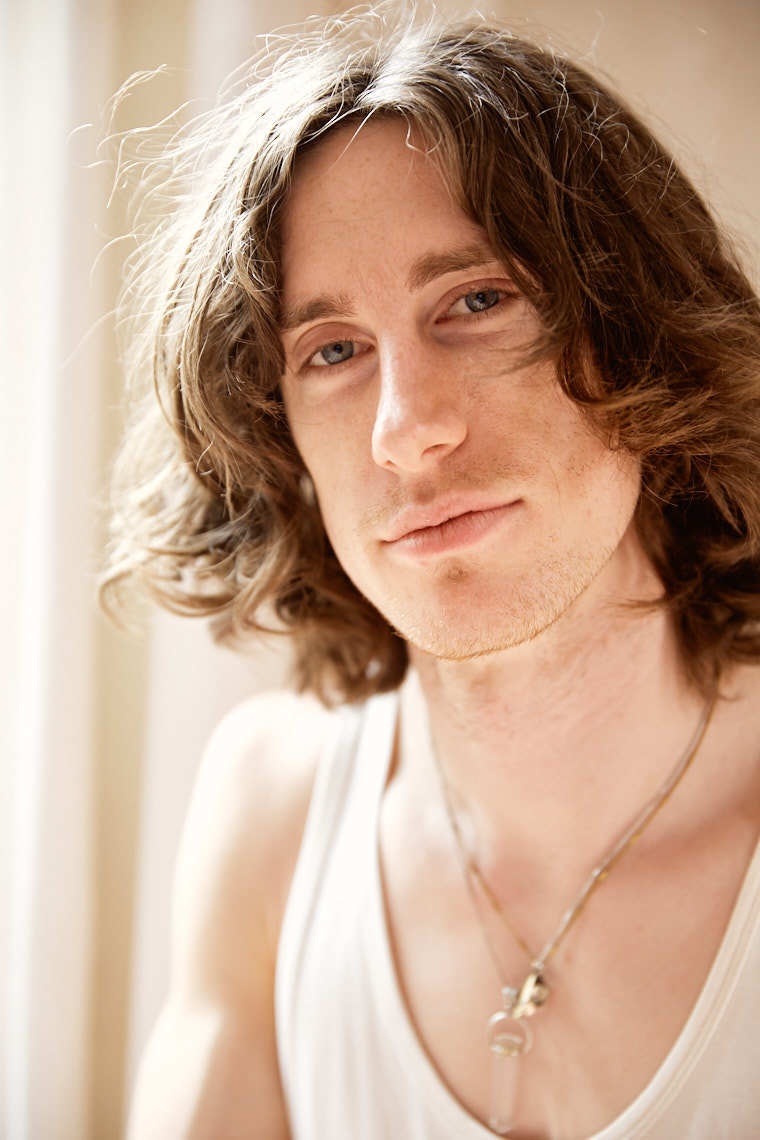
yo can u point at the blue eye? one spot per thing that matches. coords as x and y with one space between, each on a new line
333 353
481 300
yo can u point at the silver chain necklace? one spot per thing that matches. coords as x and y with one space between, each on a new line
508 1034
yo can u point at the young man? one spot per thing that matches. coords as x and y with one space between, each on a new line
461 377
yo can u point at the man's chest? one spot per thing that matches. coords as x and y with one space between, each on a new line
622 983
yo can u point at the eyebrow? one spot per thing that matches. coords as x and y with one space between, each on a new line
425 269
317 309
432 265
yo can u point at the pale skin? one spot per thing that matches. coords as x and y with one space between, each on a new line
554 712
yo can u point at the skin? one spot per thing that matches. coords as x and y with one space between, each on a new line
554 710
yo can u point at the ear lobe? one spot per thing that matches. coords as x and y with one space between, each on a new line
306 488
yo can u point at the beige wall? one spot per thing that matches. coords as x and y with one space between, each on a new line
690 66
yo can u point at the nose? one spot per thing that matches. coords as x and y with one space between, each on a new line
421 410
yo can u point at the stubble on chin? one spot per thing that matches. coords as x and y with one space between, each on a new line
468 625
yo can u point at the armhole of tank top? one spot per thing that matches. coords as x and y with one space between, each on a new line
333 775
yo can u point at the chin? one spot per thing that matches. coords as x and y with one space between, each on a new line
470 630
448 643
464 616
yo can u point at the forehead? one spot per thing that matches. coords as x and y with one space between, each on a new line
356 153
369 195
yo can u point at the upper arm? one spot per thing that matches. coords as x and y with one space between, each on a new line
210 1070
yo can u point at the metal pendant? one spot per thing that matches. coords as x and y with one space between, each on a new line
532 994
509 1038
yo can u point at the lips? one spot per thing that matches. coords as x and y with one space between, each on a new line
413 520
443 527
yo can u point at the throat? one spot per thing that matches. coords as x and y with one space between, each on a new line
543 763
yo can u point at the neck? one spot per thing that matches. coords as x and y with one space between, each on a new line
556 744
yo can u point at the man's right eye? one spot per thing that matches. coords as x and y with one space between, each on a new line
336 352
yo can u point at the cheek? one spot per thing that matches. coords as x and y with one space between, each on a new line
334 477
586 472
333 438
611 487
310 439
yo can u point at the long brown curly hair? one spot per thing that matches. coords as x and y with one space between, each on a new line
604 234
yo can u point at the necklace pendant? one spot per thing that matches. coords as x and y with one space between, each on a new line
532 994
501 1110
508 1040
507 1037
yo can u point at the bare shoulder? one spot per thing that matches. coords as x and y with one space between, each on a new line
246 819
210 1068
263 755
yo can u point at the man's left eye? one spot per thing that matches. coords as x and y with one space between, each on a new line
478 301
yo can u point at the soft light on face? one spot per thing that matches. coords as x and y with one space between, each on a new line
464 495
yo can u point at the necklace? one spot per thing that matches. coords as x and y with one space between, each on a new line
508 1034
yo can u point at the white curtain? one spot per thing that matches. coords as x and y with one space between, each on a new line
50 412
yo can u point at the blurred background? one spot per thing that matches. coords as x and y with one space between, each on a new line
101 732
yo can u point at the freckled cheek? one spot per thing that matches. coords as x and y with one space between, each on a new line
330 454
335 470
583 469
608 483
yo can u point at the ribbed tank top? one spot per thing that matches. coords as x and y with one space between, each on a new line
351 1064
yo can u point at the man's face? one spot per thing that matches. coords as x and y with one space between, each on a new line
464 495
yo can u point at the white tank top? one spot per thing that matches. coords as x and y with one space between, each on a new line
352 1066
